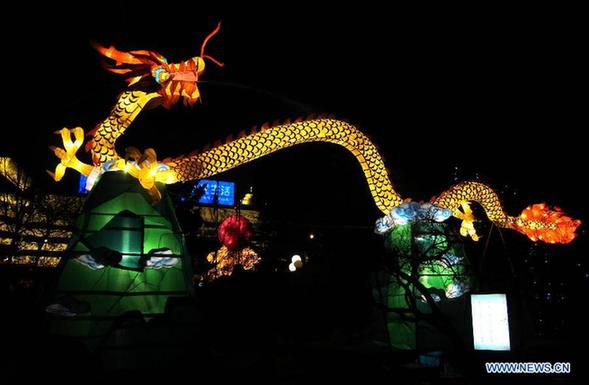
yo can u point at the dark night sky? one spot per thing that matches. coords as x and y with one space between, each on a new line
494 93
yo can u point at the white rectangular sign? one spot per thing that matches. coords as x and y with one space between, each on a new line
490 324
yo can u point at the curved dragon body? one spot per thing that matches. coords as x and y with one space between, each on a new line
538 222
282 136
104 136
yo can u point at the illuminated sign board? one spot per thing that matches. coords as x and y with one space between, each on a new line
490 323
219 192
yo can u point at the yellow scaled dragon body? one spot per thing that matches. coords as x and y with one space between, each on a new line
180 81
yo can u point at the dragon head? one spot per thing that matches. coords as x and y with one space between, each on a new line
175 80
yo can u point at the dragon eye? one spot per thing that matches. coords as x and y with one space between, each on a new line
160 75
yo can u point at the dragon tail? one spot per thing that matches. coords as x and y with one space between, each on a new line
542 223
538 222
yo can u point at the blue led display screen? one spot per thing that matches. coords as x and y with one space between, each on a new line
82 185
220 192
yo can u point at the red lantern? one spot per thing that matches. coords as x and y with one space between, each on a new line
235 232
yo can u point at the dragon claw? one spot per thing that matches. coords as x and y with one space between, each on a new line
59 152
467 225
67 155
145 168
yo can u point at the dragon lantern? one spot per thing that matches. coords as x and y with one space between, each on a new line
153 81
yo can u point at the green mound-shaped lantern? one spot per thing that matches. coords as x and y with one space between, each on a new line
126 255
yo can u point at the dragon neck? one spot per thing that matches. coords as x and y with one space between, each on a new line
124 112
268 140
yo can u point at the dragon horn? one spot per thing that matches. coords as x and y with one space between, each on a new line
204 44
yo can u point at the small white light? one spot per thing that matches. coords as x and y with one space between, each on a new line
311 236
295 258
292 267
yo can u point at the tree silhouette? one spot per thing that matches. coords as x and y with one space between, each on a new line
424 267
